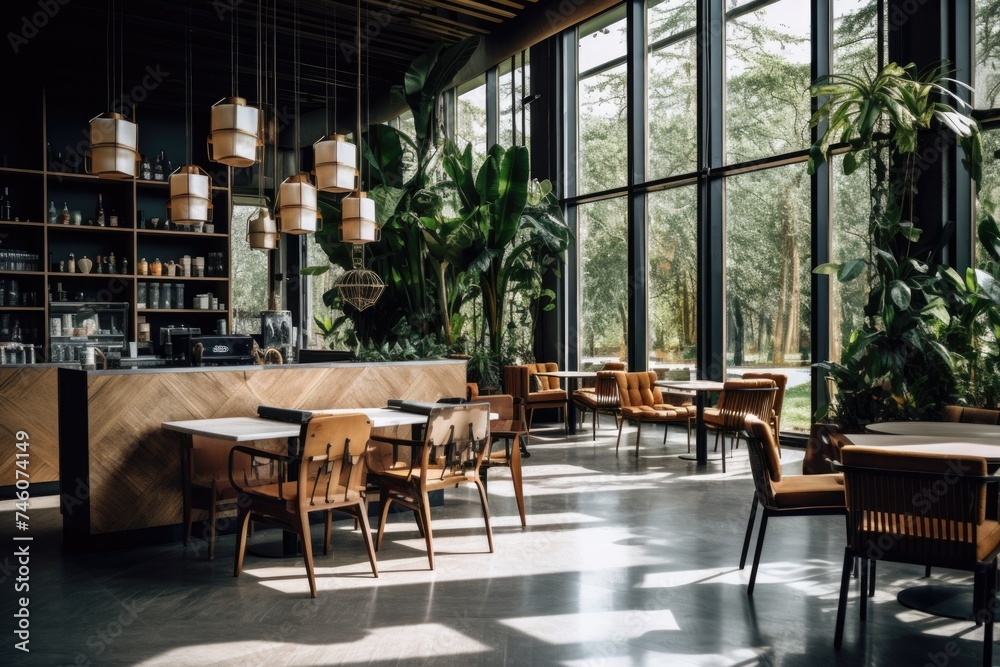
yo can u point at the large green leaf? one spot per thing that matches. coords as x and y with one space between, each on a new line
512 195
989 236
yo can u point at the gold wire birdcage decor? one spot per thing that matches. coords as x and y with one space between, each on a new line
360 287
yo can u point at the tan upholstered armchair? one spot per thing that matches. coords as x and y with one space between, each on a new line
958 413
601 398
642 403
781 382
538 392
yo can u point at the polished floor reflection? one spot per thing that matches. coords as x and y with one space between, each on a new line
623 562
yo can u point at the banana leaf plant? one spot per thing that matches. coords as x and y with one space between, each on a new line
897 364
516 243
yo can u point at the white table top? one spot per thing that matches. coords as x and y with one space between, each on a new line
946 429
986 448
691 385
246 429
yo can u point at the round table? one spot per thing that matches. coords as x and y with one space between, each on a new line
572 378
700 388
960 430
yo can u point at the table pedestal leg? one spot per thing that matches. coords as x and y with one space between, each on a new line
701 433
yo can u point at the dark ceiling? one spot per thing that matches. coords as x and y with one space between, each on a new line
67 43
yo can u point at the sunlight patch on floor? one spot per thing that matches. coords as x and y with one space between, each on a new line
409 642
599 626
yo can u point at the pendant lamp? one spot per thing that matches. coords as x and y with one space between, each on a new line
336 164
357 221
114 139
360 287
262 230
297 205
190 186
235 137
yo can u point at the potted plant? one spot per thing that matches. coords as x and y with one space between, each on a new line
896 364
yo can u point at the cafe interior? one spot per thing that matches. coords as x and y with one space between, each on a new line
491 332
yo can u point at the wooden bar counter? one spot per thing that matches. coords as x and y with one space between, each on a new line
120 473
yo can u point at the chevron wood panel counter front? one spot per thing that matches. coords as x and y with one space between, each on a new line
122 472
28 403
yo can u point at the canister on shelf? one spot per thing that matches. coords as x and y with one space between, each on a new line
55 327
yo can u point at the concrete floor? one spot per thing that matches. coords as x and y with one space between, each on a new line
623 562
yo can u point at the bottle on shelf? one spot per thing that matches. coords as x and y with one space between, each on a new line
141 220
100 266
158 167
112 264
99 213
53 215
5 205
145 169
64 216
125 266
16 336
106 265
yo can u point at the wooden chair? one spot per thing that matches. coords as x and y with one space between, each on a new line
781 382
508 429
642 403
330 475
518 381
924 509
958 413
205 482
782 495
601 399
455 441
739 398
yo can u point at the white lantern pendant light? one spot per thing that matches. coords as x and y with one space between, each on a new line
113 142
357 219
262 230
297 206
336 164
190 196
335 158
235 137
114 139
190 186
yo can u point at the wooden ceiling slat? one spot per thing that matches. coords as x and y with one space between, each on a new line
414 8
463 9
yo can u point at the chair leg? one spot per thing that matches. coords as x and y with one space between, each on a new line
746 540
328 532
486 512
242 521
845 578
871 579
665 428
307 551
593 427
638 434
188 520
689 434
211 530
864 589
386 502
515 477
425 506
723 441
621 425
989 607
756 555
366 533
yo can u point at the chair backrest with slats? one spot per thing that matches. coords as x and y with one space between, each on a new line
332 467
780 381
914 508
745 397
606 394
764 463
456 438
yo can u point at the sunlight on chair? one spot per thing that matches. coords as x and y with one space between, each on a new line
377 644
590 627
